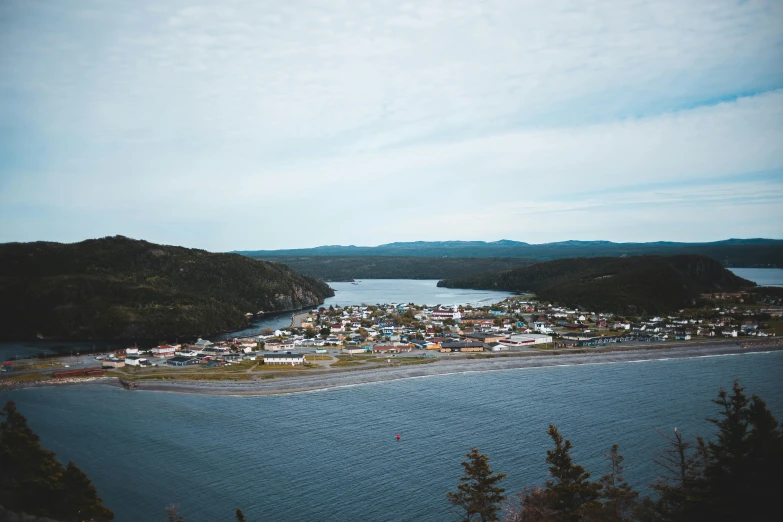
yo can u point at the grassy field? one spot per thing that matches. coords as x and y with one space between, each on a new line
775 326
26 377
319 357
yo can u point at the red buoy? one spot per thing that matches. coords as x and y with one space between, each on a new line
398 436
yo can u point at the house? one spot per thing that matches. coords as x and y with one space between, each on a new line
527 339
202 343
135 360
354 350
441 314
113 363
181 360
132 351
497 347
284 358
392 348
165 350
461 346
485 337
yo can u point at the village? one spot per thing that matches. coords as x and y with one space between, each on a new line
393 333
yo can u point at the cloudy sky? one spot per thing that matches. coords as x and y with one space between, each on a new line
252 124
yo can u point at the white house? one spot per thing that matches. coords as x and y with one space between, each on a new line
284 358
442 314
202 343
135 360
132 351
165 350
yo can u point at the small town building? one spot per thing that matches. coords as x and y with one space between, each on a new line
165 350
485 337
527 339
113 363
135 360
441 314
461 346
284 358
202 343
182 360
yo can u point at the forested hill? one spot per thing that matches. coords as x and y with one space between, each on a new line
731 252
118 288
631 285
334 268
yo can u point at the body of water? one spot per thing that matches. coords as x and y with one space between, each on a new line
384 291
417 291
761 276
332 454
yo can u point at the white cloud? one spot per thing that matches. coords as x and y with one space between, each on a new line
160 108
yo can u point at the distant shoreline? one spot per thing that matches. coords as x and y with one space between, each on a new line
309 382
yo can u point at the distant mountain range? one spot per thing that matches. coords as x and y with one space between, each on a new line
730 252
631 285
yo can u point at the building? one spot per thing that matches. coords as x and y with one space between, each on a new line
135 360
485 337
392 348
202 343
461 346
182 360
165 350
113 363
284 358
441 314
497 347
527 339
353 350
132 351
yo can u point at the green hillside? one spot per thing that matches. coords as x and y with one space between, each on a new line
118 288
342 268
633 285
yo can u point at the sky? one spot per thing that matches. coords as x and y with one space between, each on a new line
254 124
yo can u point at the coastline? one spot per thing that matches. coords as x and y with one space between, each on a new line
353 377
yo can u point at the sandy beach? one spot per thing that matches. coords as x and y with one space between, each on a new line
326 379
352 377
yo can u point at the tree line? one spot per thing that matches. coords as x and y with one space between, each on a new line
735 477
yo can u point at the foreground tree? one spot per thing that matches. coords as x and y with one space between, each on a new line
744 468
569 491
32 481
478 493
619 499
680 484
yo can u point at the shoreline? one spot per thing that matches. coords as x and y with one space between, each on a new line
300 383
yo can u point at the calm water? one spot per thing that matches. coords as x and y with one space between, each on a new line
331 455
385 291
761 276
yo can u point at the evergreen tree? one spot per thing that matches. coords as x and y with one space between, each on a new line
744 470
619 498
30 474
34 482
78 499
478 493
680 484
569 491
